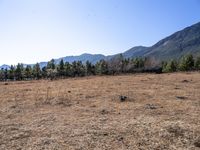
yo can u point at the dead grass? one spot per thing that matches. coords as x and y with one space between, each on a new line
161 112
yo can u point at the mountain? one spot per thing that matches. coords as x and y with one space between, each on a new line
186 41
178 44
5 67
172 47
93 58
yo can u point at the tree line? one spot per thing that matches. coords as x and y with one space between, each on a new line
116 65
186 63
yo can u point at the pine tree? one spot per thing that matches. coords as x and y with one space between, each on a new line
28 72
37 71
68 69
186 63
1 74
44 72
101 67
6 74
51 64
19 72
80 69
89 68
12 72
104 67
61 68
164 66
171 66
197 63
98 68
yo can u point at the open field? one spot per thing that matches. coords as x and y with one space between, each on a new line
162 112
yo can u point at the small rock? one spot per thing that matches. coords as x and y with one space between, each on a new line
104 112
122 98
181 97
151 106
185 81
120 139
105 134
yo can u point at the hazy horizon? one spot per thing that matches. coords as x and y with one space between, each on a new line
33 31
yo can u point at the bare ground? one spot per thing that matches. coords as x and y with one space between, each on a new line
161 112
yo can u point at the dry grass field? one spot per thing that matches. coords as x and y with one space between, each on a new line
162 112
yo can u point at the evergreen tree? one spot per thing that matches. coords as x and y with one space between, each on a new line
12 72
164 66
74 69
90 70
44 72
61 68
186 63
98 68
1 74
137 64
68 69
128 65
104 67
51 69
80 69
6 74
197 63
19 72
51 64
171 66
37 71
101 67
28 72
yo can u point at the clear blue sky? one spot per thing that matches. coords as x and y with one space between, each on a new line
38 30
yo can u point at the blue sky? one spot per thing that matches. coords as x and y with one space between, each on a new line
38 30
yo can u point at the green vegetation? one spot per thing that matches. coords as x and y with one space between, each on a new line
116 65
197 63
186 63
170 66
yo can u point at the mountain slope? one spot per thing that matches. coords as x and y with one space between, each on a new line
137 51
172 47
186 41
178 44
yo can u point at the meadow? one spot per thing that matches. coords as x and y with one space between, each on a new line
161 111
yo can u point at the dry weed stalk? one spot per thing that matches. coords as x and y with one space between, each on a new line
48 95
15 99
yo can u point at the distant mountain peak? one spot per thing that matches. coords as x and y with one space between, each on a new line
4 66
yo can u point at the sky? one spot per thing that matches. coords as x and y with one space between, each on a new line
38 30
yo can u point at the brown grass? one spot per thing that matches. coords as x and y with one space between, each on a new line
161 112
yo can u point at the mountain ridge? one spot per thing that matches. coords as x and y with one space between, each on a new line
174 46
